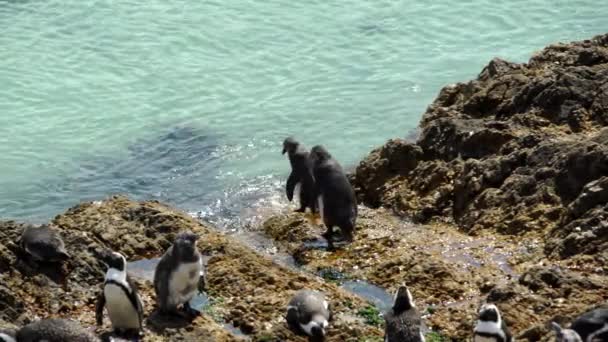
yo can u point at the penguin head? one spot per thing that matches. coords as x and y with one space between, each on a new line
290 145
489 313
317 334
403 300
185 244
114 260
319 154
565 335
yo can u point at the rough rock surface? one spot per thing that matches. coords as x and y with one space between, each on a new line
511 166
250 290
522 149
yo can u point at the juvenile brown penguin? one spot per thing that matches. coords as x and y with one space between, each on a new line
300 179
335 195
178 275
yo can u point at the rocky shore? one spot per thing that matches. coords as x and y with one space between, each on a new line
505 192
503 198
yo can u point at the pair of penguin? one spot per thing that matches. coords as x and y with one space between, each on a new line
323 186
309 312
179 275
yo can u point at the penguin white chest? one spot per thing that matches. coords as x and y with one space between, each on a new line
296 191
184 282
320 206
123 314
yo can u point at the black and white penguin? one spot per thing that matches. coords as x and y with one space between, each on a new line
300 180
592 325
43 244
565 335
403 323
308 312
490 326
120 298
55 330
178 276
335 195
8 335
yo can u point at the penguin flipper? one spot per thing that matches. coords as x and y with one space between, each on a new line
291 185
138 304
101 303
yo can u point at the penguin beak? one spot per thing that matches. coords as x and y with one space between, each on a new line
284 150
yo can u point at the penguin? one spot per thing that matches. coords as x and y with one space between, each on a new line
55 330
301 179
565 335
335 195
120 298
490 327
309 312
43 244
8 335
402 321
178 276
592 325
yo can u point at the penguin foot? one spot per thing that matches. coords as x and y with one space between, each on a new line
188 310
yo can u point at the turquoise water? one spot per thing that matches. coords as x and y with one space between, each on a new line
188 101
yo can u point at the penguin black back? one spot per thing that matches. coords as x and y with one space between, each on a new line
55 330
43 244
336 197
301 175
402 321
593 323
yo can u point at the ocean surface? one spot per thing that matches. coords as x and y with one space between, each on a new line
188 101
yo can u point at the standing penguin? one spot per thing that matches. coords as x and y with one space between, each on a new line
590 326
403 321
335 195
310 313
301 175
54 330
490 326
43 244
178 276
120 298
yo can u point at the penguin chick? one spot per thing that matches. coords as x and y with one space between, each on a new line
177 276
310 313
490 327
403 321
120 298
43 244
